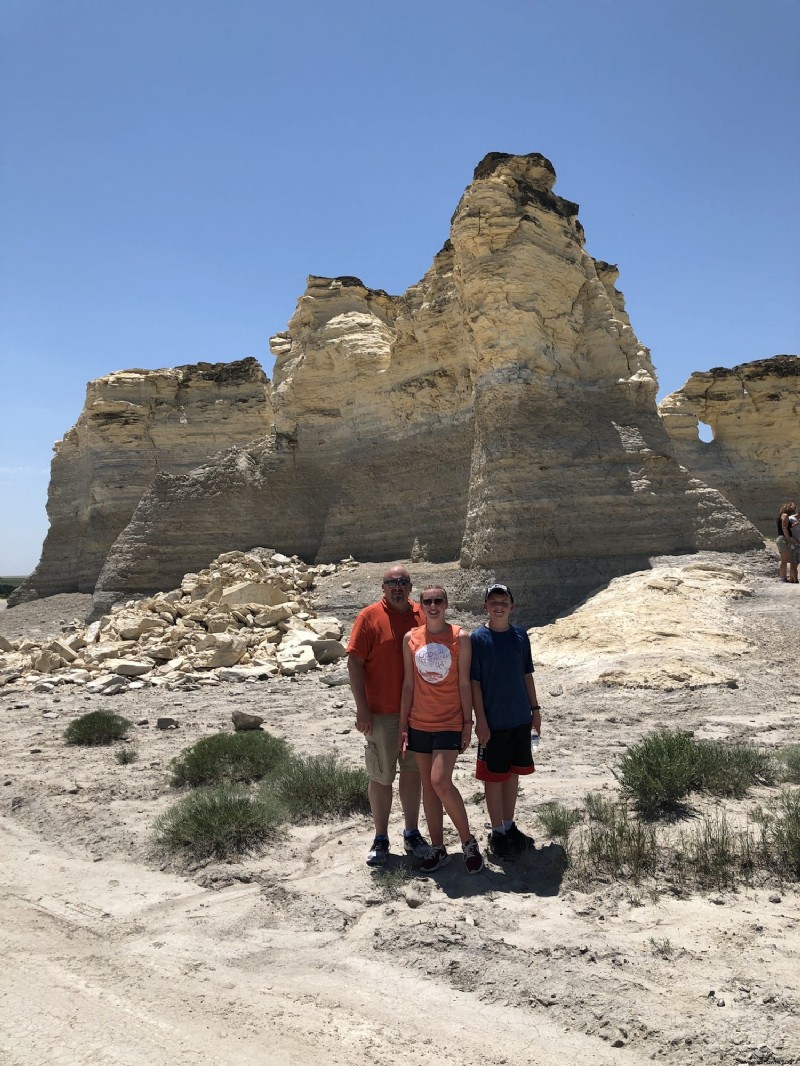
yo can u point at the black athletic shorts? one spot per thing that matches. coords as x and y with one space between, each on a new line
508 752
426 743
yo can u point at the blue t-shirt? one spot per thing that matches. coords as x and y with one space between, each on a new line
500 662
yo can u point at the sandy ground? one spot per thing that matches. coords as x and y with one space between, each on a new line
303 955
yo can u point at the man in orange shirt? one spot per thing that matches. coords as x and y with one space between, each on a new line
375 667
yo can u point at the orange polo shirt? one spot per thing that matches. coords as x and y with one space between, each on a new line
377 638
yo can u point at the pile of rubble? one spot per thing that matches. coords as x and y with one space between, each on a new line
247 616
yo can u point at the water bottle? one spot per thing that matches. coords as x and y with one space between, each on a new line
534 741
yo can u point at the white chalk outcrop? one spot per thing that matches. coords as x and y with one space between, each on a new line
501 412
753 411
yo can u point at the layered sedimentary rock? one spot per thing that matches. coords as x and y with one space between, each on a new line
134 425
753 411
501 411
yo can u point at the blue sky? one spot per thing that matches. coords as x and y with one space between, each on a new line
173 170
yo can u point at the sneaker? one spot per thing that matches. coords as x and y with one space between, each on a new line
436 857
378 854
473 860
502 847
416 846
520 841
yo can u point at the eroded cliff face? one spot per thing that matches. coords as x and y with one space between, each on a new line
500 412
570 465
134 425
753 411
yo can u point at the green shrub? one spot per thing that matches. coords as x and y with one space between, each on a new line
558 820
218 822
661 771
731 769
229 757
97 727
126 755
788 764
600 808
780 822
713 854
620 845
318 786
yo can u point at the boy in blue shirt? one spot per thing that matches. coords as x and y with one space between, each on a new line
506 709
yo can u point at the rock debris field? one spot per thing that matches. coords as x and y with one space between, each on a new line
114 954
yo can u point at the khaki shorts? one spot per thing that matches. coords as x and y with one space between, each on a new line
382 750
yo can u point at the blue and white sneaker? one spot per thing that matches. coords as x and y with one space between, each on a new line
378 854
416 845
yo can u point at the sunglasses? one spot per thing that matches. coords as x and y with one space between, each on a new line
433 601
397 582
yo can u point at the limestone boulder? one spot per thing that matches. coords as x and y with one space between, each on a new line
244 722
296 660
328 651
127 667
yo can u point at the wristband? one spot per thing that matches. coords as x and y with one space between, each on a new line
536 708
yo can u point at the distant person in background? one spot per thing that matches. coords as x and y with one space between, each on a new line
436 723
375 668
787 541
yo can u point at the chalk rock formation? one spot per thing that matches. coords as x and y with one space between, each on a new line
753 410
244 617
501 411
667 628
135 424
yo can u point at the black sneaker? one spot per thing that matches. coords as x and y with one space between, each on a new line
378 854
436 857
520 841
473 860
501 846
417 847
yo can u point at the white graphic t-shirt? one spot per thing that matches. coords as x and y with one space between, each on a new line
433 662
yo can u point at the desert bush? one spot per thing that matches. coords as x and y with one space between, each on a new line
788 764
126 755
558 820
318 786
780 829
725 769
659 772
713 854
620 845
600 808
664 768
229 757
97 727
218 822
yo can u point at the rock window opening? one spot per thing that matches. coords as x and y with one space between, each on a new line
705 432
